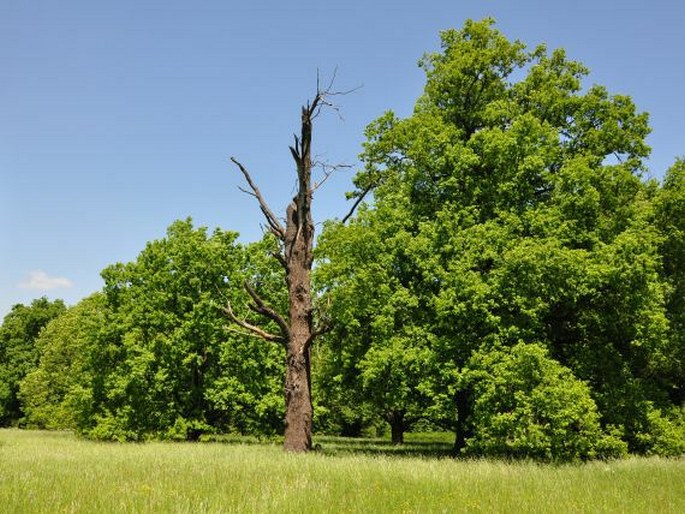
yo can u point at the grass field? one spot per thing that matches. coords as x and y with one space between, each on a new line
55 472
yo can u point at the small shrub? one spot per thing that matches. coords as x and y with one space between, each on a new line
663 433
527 405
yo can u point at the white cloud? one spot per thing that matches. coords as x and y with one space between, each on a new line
41 281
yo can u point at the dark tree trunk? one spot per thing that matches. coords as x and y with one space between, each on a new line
462 429
298 403
397 426
298 253
297 332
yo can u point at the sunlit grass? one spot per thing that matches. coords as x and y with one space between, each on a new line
55 472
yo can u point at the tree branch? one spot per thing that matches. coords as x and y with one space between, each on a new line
322 96
260 307
273 222
280 258
319 331
328 170
295 154
252 329
357 202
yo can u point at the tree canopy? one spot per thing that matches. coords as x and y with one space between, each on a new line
509 209
18 352
152 356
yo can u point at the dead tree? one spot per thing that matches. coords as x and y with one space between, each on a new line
296 330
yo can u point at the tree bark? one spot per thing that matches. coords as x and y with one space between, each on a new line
298 403
298 253
397 426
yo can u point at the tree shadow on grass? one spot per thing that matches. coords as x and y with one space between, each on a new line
345 446
337 446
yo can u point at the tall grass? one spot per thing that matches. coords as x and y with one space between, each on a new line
55 472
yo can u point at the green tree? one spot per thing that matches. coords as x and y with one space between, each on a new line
169 366
670 218
248 389
60 393
522 196
527 405
18 353
379 352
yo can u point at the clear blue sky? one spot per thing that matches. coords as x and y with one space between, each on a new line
118 117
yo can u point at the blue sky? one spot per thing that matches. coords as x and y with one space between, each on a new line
118 117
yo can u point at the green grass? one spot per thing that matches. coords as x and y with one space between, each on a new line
55 472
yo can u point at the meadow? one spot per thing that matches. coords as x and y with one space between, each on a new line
57 472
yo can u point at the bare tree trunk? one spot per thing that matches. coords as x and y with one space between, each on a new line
299 249
462 429
297 332
298 403
397 426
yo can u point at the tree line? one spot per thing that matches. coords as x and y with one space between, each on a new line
511 275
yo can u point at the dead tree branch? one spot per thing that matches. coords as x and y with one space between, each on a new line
274 224
319 331
327 170
323 95
280 258
251 329
260 307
